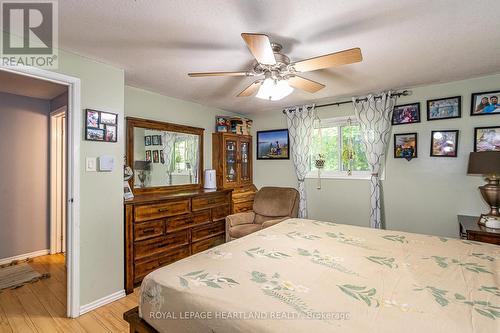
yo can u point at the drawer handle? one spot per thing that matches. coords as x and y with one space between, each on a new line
212 201
161 210
148 230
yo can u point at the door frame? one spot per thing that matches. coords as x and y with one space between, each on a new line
73 118
55 234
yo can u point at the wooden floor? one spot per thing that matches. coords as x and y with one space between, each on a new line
41 306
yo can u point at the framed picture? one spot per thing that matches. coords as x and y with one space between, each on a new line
94 134
485 103
487 138
147 140
92 118
148 155
162 157
110 133
156 140
406 114
273 145
127 191
444 143
156 156
405 145
444 108
101 126
107 118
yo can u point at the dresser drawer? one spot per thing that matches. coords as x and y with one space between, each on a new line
188 220
158 245
243 196
206 244
157 211
209 201
144 267
147 230
241 207
203 232
220 213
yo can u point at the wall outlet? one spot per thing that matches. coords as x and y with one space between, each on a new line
91 164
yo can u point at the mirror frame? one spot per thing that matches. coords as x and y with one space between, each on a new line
162 126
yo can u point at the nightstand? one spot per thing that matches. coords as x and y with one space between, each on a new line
469 229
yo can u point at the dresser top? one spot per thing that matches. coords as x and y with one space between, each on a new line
149 198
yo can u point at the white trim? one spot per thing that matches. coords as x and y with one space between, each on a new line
73 175
24 256
102 301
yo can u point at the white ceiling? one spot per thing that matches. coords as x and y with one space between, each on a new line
404 43
24 85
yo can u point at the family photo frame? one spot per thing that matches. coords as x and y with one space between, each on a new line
273 145
444 108
101 126
487 138
405 145
406 114
444 143
485 103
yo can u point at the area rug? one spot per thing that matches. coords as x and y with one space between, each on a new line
17 274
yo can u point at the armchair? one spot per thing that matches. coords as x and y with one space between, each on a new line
271 205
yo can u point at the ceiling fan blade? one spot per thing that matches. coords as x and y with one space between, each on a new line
251 89
202 74
329 60
260 46
305 84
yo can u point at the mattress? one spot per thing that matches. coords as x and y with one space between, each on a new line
313 276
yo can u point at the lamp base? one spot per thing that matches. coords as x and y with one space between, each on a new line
489 221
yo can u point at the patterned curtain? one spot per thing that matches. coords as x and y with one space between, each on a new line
300 127
374 114
192 152
168 141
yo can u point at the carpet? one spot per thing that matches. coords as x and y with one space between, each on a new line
18 274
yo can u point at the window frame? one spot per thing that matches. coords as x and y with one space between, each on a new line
330 174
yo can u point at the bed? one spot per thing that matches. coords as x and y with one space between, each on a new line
304 275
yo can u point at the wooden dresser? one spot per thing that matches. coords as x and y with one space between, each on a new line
163 228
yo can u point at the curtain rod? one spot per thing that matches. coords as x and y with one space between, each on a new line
399 94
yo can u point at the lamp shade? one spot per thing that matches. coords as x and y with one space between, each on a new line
484 163
142 165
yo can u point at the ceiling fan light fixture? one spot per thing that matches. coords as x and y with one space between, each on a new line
274 90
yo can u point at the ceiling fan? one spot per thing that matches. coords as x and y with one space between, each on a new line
279 74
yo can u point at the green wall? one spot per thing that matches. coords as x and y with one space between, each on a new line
423 195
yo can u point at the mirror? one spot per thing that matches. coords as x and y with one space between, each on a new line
163 155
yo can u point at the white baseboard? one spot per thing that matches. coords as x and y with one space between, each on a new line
102 301
24 256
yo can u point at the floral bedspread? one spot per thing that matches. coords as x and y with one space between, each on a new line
313 276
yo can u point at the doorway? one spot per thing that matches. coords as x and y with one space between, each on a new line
68 185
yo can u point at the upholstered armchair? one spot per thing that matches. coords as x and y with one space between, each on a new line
271 205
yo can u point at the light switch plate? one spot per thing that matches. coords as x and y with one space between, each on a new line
91 164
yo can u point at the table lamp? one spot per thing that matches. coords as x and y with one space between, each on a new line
487 163
143 167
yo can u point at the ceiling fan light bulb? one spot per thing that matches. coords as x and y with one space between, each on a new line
266 89
281 90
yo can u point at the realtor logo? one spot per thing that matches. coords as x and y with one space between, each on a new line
29 35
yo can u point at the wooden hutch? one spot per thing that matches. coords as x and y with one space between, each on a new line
232 159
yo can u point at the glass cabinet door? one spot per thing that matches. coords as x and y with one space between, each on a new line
230 169
245 172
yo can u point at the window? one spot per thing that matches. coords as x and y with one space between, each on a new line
180 156
333 143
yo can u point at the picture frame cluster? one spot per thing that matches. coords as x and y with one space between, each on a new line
444 143
156 155
101 126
